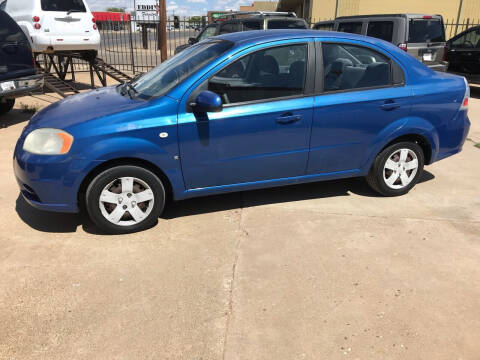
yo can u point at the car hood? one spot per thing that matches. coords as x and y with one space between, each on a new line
83 107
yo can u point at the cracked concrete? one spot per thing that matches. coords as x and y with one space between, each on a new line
317 271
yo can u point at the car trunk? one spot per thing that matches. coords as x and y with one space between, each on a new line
66 17
16 59
426 39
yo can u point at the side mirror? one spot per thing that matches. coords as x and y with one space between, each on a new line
207 101
192 41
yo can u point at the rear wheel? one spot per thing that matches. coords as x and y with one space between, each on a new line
396 169
6 105
125 199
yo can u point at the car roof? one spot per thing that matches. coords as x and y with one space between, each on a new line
409 15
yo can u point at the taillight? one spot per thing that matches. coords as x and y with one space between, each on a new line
94 26
36 19
466 98
37 26
403 46
427 16
93 20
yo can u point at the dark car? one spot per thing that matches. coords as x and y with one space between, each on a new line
17 69
246 21
422 36
463 54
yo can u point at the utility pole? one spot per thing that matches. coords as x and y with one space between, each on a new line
162 29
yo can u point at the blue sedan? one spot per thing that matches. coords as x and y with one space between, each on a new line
243 111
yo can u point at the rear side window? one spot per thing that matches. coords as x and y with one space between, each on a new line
350 27
425 31
9 30
229 28
348 67
266 74
63 5
252 25
381 30
286 24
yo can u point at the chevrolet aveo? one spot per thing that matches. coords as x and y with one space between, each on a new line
242 111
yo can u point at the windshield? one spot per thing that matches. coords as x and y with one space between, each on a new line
63 5
425 31
175 70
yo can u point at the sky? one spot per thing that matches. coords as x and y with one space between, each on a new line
177 7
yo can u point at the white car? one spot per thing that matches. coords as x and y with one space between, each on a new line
56 25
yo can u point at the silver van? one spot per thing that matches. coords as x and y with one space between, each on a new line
422 36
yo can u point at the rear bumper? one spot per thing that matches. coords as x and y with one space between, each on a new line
439 67
22 86
43 43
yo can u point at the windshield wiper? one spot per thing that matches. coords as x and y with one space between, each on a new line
128 87
73 10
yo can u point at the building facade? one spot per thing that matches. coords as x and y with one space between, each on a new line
260 6
317 10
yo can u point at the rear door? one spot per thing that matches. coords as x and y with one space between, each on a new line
464 52
16 58
426 39
66 17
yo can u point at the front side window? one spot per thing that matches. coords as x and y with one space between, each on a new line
348 67
63 5
425 31
286 24
176 69
381 30
9 30
266 74
229 28
468 40
208 32
350 27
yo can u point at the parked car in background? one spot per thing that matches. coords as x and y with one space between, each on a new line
243 111
422 36
246 21
463 54
56 25
17 70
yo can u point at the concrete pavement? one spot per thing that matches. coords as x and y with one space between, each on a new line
317 271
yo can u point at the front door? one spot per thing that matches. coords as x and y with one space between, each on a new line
464 53
263 131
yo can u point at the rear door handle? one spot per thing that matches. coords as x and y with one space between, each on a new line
390 105
288 119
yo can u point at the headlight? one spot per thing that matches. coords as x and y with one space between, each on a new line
48 142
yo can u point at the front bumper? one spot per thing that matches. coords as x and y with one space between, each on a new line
21 86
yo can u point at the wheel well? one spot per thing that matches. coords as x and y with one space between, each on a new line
418 139
124 161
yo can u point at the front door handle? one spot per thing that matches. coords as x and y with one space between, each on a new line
288 119
390 105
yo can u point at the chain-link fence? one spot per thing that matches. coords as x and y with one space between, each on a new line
133 45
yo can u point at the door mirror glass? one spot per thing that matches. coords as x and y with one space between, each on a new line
207 101
192 41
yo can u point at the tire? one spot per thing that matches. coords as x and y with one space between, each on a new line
399 175
122 212
6 105
89 55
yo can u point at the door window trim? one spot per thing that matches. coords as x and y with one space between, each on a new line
319 73
308 89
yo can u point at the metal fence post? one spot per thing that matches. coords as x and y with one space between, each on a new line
132 57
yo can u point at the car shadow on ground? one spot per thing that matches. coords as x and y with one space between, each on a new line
68 223
14 117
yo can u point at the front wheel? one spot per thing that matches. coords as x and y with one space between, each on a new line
6 105
125 199
396 169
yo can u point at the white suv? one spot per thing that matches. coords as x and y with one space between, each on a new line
56 25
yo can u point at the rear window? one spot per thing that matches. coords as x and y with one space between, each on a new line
381 30
63 5
425 31
350 27
9 30
286 24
